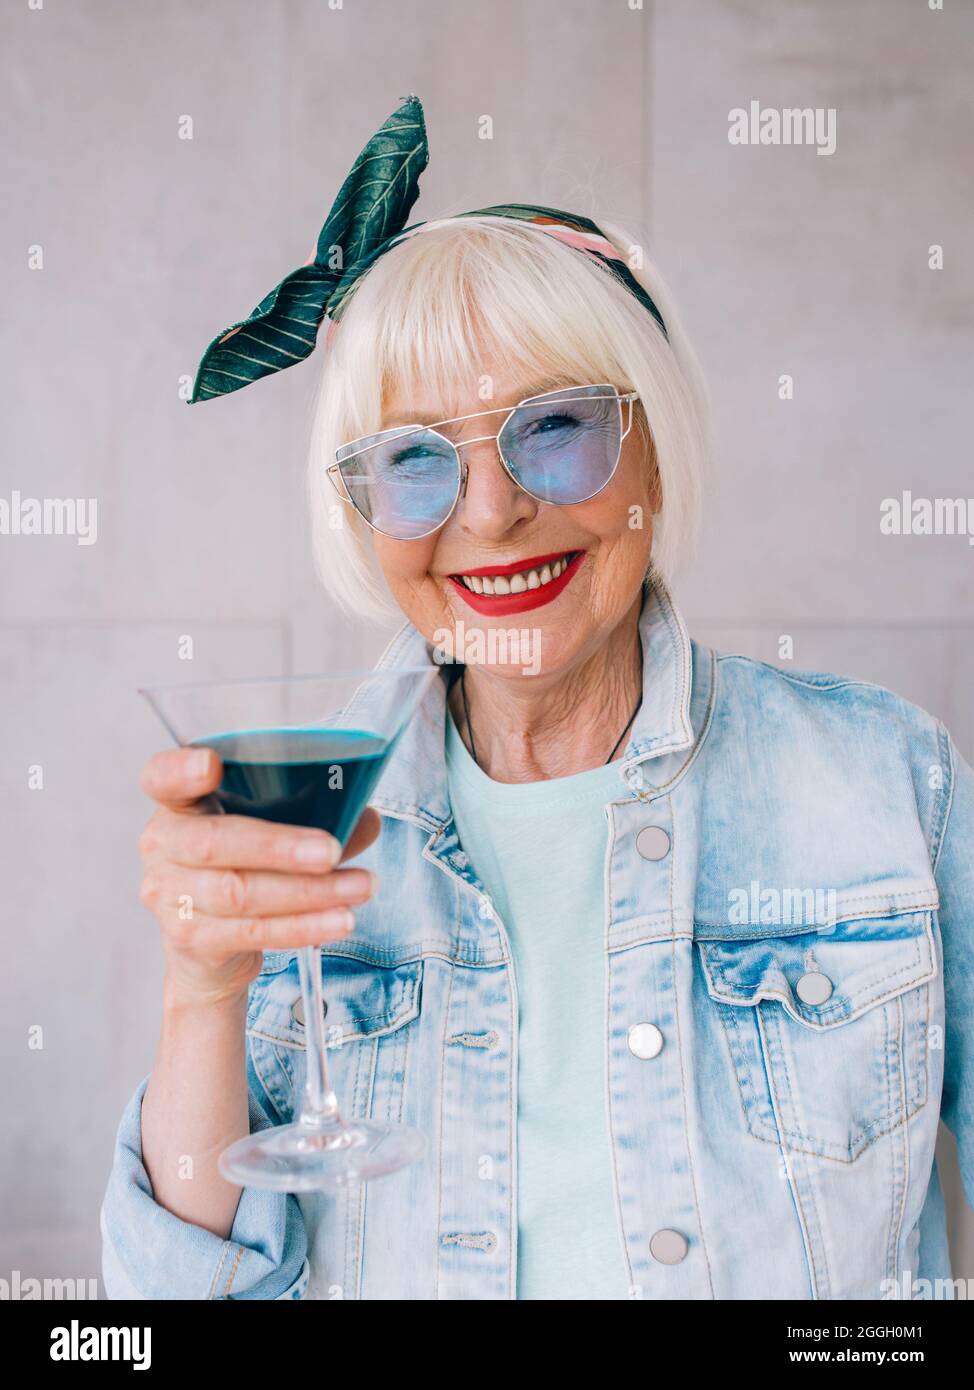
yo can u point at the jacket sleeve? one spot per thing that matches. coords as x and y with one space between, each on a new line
954 868
148 1253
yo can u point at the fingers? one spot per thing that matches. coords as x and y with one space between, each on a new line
250 893
227 936
178 777
250 885
182 780
237 842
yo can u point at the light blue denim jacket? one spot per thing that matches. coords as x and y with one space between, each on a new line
789 901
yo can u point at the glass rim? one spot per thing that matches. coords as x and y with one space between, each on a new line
171 687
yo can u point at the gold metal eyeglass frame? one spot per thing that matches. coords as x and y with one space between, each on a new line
404 432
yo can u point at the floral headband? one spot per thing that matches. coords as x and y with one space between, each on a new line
366 220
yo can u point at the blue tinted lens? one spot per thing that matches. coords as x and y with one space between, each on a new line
564 450
403 482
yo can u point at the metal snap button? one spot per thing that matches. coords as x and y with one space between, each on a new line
652 842
645 1041
297 1010
668 1247
814 988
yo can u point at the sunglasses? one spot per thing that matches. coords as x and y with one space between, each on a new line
561 447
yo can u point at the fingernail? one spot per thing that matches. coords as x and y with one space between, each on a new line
199 763
317 853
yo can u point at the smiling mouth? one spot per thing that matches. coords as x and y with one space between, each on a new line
501 580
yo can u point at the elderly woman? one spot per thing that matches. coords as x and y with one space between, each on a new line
669 954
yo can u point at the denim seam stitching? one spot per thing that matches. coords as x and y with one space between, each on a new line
868 1134
828 1011
796 678
751 1112
401 1045
679 1045
440 1145
682 656
812 1235
729 1024
368 1071
233 1272
255 1062
897 1221
694 751
394 1014
904 906
354 1195
512 1138
946 799
923 1044
217 1273
610 1108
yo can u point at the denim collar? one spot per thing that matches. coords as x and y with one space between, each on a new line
413 786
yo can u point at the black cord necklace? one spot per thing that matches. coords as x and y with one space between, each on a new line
473 750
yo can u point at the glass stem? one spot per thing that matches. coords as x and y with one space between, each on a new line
320 1106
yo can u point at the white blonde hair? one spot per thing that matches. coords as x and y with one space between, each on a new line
430 310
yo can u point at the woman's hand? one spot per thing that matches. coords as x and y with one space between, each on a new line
226 888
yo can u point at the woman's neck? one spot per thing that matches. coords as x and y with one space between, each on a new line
530 728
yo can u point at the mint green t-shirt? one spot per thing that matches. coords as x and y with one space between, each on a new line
539 849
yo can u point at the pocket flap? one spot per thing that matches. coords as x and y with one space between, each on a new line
362 1000
863 962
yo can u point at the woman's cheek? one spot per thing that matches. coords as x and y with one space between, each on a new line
406 568
405 564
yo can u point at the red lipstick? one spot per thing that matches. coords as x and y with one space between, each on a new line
503 605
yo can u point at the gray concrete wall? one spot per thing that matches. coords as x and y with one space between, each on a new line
782 261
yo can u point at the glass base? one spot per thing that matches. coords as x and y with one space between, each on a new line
301 1158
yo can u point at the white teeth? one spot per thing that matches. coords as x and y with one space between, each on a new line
515 583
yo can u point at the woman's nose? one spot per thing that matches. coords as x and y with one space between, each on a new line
490 500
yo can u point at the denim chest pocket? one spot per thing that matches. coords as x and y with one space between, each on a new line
367 1010
827 1030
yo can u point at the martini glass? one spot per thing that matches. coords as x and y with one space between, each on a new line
304 750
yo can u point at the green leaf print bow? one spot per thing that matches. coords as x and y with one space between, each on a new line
367 218
372 205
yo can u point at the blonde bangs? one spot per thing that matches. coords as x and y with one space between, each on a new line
447 302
